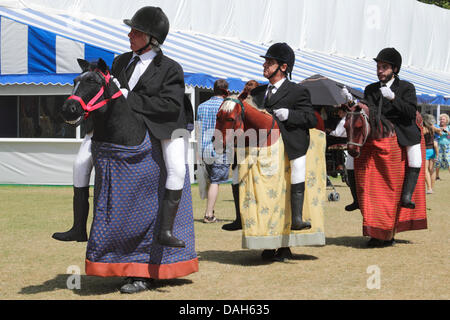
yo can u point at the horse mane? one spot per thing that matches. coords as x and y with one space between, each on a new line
379 125
229 105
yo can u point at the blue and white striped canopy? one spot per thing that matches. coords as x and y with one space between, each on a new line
42 48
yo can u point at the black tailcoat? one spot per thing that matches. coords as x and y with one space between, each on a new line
401 111
158 95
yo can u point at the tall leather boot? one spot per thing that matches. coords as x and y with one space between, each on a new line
168 212
236 224
80 215
352 183
409 184
297 198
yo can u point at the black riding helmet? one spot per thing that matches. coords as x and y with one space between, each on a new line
282 53
391 56
152 21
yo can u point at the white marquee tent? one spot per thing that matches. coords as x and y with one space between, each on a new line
39 48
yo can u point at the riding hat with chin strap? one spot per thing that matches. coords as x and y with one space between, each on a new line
151 21
391 56
282 53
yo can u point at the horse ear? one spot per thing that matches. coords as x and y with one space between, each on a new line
84 65
101 64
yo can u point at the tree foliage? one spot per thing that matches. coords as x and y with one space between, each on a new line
441 3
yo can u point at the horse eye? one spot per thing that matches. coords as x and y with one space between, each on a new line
229 119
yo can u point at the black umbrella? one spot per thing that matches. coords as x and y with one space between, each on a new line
326 92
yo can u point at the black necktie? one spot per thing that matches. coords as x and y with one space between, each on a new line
269 91
130 68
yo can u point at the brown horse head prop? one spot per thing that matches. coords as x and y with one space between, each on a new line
357 127
241 124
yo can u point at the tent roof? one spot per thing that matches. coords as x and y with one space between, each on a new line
42 48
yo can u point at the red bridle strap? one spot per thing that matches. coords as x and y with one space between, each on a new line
93 104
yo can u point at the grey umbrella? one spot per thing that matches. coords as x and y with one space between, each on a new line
327 92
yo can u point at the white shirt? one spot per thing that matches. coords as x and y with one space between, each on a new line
389 83
275 86
144 61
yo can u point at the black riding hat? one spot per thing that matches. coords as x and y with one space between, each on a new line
152 21
282 53
391 56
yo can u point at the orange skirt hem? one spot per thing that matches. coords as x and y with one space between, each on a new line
143 270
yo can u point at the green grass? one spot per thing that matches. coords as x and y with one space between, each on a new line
34 266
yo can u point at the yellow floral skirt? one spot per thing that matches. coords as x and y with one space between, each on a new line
265 201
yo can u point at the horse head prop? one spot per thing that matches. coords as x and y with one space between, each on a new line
357 127
241 124
361 124
89 86
96 95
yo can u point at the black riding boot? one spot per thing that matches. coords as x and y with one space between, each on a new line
409 184
168 212
80 215
297 197
236 224
352 184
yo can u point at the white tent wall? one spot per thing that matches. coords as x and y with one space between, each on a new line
355 28
38 161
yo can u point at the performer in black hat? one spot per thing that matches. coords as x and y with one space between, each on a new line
154 87
398 103
290 103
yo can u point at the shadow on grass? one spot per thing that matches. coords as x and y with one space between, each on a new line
243 257
220 221
356 242
90 285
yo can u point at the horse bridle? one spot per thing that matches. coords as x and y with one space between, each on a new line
93 104
366 118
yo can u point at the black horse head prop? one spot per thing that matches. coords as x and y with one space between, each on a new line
96 95
92 91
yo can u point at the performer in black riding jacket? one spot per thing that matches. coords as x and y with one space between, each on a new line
398 102
154 87
290 103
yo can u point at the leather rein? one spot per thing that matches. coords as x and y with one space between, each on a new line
366 119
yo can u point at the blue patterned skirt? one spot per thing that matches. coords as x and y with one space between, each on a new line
129 188
443 159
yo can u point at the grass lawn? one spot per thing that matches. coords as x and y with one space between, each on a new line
35 266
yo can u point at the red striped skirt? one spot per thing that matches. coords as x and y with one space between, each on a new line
379 173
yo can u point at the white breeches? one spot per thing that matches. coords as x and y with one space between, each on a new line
298 170
83 164
175 158
414 154
235 175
